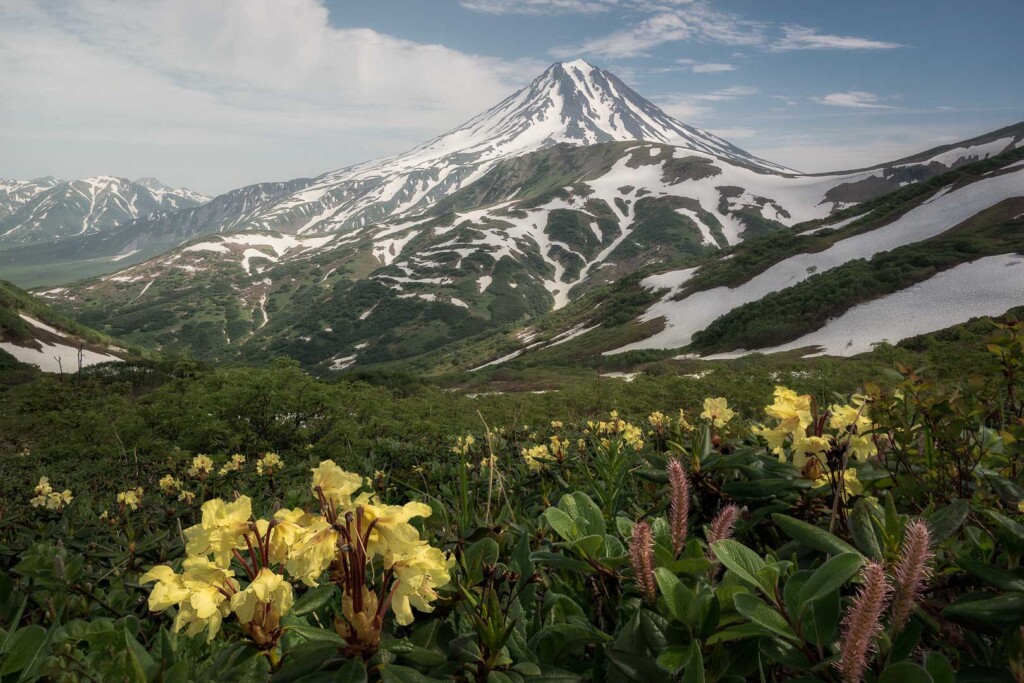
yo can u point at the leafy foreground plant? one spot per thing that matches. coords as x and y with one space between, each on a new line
367 548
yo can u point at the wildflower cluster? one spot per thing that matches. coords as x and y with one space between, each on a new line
47 498
235 464
354 538
268 464
617 428
130 499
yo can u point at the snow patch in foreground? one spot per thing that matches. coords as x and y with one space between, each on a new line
46 358
988 286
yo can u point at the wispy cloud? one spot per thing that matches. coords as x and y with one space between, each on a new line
691 107
856 99
696 67
655 23
803 38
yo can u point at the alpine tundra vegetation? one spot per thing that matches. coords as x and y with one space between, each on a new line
574 391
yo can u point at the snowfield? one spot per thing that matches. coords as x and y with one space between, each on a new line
694 313
988 286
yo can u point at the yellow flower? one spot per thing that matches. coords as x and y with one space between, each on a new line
268 464
313 550
854 421
683 422
266 590
201 593
807 447
791 410
221 530
392 532
233 465
657 420
202 465
48 498
419 573
463 444
851 485
131 498
717 411
187 497
775 438
336 484
537 457
169 485
556 424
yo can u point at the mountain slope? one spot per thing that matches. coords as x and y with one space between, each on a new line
16 193
33 333
89 206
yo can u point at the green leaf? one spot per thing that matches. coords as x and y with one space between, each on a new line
740 560
996 576
945 521
354 671
986 609
757 611
905 672
392 673
811 536
561 522
22 649
831 576
678 596
315 634
674 658
695 666
864 530
313 600
637 668
939 668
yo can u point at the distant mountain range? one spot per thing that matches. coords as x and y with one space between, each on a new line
566 187
48 210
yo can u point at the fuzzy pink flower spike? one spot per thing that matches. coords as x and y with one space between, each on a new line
679 508
641 557
913 571
722 526
863 622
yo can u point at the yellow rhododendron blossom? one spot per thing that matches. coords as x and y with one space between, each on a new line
419 573
683 423
187 497
556 424
266 590
221 530
537 457
131 498
233 465
793 411
809 447
201 593
314 549
658 420
268 464
336 485
851 485
47 498
202 465
169 485
853 420
717 411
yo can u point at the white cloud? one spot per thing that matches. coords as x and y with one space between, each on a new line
696 67
729 93
692 107
855 99
538 6
803 38
734 133
224 78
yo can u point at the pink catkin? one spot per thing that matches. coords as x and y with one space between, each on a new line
912 573
679 507
641 557
722 526
863 622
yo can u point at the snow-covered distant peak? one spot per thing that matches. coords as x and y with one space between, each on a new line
571 102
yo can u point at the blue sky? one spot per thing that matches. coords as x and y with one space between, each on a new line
216 95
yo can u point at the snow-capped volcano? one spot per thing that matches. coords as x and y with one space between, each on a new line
573 103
